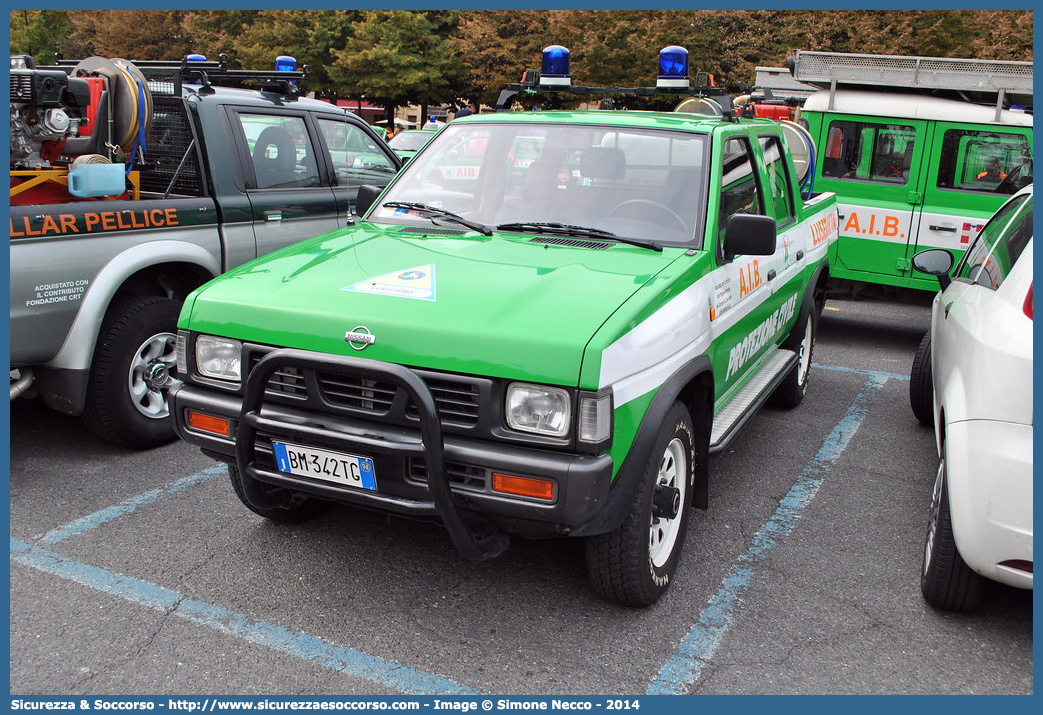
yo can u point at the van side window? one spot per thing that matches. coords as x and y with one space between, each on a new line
863 151
984 161
739 190
778 181
999 245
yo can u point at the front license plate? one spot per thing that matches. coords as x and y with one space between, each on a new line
346 469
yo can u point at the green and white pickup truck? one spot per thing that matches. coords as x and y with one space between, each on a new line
546 351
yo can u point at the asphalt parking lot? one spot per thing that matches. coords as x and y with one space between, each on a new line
140 572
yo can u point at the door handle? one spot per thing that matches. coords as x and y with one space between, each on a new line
949 229
945 310
771 274
273 215
800 254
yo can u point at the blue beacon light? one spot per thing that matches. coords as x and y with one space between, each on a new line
554 68
195 58
673 67
285 63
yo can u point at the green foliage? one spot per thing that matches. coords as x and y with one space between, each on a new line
40 33
396 57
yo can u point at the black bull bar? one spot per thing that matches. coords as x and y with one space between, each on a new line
467 539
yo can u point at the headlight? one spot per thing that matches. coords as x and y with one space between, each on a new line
219 357
539 409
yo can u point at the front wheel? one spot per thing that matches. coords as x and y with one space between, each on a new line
921 383
634 564
299 507
946 580
131 373
794 386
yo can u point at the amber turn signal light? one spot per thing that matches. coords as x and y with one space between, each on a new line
206 423
523 486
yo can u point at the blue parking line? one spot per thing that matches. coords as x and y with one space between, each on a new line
78 526
698 648
294 643
868 373
683 669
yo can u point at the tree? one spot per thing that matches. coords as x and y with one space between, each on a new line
396 57
311 37
213 32
130 34
40 33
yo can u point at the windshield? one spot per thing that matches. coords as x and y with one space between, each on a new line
409 141
643 184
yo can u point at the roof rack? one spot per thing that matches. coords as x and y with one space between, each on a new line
174 73
978 81
531 84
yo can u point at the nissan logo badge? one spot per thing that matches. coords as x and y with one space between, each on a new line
359 337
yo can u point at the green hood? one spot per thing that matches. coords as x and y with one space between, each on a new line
503 306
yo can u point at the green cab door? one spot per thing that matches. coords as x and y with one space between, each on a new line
875 166
285 178
744 295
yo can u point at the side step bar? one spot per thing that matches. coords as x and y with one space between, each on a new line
730 418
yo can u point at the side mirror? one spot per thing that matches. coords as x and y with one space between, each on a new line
367 195
935 262
749 235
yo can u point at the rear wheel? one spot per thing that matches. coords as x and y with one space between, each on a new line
946 581
921 383
794 386
300 508
634 564
131 373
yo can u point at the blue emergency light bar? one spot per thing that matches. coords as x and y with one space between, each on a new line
673 79
195 58
673 67
554 69
285 63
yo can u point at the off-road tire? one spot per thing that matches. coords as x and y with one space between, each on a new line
946 581
921 383
794 386
301 508
133 333
628 565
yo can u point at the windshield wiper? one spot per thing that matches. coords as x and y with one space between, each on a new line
434 212
567 229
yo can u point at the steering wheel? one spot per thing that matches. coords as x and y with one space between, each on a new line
675 218
1005 186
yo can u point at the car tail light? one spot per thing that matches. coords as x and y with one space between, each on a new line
1028 303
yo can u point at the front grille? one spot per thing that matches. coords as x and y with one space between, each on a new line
458 398
465 475
457 402
287 381
358 393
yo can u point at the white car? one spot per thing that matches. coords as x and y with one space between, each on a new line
972 377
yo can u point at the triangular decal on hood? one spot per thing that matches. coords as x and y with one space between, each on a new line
417 283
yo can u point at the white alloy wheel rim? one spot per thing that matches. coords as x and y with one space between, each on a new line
150 375
804 358
663 532
932 522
